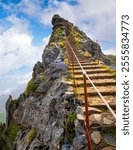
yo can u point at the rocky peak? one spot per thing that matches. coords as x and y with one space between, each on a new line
44 116
59 21
77 38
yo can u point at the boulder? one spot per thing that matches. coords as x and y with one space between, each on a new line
38 68
60 66
43 87
97 117
79 110
79 142
49 55
96 137
107 121
80 117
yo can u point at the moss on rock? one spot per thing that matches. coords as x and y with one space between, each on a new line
70 127
31 87
12 131
30 136
86 54
110 70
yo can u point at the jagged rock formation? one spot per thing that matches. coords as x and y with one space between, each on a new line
8 111
45 116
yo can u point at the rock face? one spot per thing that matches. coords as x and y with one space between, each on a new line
8 111
58 21
44 117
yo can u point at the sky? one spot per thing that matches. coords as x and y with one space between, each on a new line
25 28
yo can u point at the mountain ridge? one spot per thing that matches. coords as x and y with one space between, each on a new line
44 116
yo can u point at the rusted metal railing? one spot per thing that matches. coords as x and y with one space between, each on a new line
87 114
86 99
85 78
110 109
73 72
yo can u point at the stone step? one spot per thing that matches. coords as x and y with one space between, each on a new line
96 81
81 84
85 64
91 71
81 59
81 110
98 102
96 76
86 67
106 119
105 90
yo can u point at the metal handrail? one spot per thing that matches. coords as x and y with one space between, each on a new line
84 73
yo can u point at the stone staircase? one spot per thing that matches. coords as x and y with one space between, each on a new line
100 76
99 114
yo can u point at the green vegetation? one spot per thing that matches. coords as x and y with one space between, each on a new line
86 54
42 77
70 127
71 117
31 87
52 43
110 131
30 136
110 70
58 32
61 43
77 38
56 39
66 60
4 146
2 126
2 117
104 109
12 131
112 59
2 142
13 127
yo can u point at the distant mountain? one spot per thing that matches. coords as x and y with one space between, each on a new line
3 98
112 59
2 117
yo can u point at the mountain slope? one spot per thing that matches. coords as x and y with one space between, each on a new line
45 115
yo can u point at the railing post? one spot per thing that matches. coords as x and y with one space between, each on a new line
87 113
67 52
73 72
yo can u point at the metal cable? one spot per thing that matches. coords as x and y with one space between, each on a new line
84 72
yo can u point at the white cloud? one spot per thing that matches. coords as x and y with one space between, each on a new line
16 47
5 92
24 78
46 40
95 18
17 51
109 51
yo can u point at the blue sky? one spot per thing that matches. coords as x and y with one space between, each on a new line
25 28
